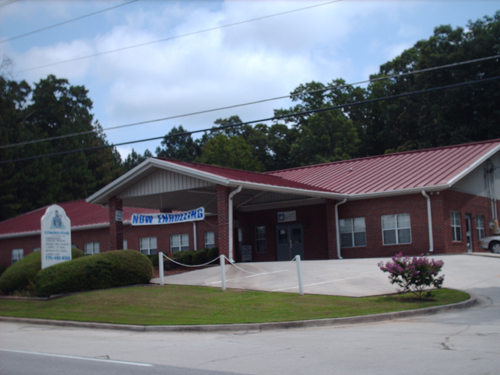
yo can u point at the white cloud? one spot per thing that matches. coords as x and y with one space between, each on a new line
230 65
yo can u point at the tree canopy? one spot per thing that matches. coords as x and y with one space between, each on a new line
469 113
452 116
53 108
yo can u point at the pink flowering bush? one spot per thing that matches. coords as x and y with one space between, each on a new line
415 274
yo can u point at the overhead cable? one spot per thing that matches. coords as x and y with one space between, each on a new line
65 22
253 102
7 2
274 118
175 37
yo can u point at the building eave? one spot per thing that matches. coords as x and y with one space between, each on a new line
391 193
144 169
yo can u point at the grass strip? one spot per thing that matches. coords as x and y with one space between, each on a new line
189 305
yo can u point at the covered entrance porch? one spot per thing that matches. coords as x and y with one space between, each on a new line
272 218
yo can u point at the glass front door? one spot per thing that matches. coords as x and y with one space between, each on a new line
289 241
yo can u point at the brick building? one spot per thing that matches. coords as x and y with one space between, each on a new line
440 200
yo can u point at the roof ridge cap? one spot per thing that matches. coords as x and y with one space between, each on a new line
215 166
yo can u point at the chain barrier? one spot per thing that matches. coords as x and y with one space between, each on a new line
189 265
233 263
221 259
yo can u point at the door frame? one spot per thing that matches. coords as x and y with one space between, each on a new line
296 248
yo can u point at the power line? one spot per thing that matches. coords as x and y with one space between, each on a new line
65 22
175 37
253 102
7 2
274 118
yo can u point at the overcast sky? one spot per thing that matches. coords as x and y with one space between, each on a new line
225 66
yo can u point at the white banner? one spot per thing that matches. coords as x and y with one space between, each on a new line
169 218
56 236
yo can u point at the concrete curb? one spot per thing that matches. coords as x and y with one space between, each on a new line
253 326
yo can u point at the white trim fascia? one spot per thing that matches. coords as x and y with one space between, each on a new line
284 189
141 168
19 234
391 193
210 177
283 204
474 165
144 167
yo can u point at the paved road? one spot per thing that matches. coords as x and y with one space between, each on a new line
459 342
20 362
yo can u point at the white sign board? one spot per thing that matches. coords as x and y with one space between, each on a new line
284 217
168 218
56 236
119 216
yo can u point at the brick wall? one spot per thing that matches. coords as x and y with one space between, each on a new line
115 227
373 210
313 219
442 204
163 232
223 218
319 238
130 233
464 204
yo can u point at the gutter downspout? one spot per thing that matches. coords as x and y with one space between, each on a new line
194 236
429 221
230 211
337 226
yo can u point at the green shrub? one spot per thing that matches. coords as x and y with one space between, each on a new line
98 271
212 253
154 260
200 257
19 276
2 269
185 257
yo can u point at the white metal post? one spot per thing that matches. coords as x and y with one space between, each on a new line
299 274
223 272
160 264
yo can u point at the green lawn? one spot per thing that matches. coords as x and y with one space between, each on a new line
187 305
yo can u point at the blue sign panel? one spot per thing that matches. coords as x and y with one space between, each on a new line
169 218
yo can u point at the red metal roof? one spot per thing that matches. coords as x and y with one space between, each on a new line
80 213
246 176
391 172
378 174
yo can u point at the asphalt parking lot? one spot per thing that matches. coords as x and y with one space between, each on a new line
346 277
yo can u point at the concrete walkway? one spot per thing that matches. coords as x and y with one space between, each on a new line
346 277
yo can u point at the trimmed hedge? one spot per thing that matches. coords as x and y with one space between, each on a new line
193 258
98 271
2 269
186 257
21 275
200 256
212 253
154 260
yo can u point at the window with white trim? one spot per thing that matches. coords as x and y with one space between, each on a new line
209 240
260 240
480 227
148 245
17 255
352 232
91 248
125 245
179 242
396 229
456 227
